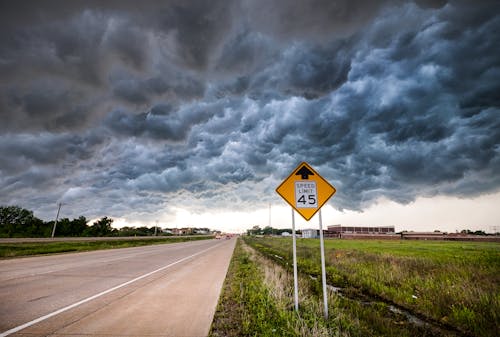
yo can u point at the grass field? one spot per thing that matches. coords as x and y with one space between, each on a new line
399 288
9 250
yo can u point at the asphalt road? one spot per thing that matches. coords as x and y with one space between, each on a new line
163 290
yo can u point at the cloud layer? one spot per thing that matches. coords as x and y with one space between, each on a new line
128 110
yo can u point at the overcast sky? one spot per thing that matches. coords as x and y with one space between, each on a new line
193 112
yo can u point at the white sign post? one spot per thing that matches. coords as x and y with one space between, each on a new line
323 271
295 279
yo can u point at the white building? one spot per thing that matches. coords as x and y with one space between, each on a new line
310 233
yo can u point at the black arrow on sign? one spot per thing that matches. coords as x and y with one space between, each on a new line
304 172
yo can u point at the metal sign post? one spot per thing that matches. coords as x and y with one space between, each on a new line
295 279
323 271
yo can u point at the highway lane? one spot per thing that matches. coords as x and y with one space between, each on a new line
164 290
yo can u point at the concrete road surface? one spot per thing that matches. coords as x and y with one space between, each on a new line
164 290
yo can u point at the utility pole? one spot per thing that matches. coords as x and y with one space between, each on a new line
57 217
156 227
270 215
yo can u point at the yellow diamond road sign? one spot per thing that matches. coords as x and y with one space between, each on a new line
305 190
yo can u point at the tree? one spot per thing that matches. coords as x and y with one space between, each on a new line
254 231
75 227
37 228
268 230
18 222
78 226
144 231
101 227
127 231
63 227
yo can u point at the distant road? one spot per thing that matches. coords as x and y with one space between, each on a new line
162 290
84 238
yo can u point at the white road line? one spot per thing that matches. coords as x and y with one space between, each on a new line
74 305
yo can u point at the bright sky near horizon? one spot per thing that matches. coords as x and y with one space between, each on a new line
448 214
191 113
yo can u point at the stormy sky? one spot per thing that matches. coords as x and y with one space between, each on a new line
139 109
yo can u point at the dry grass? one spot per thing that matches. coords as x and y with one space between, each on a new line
280 284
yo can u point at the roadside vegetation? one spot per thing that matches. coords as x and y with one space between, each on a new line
9 250
376 288
17 222
255 301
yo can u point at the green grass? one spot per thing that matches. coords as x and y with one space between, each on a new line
450 284
9 250
246 307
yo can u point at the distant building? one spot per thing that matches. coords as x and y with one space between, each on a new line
310 233
202 231
423 235
181 231
338 230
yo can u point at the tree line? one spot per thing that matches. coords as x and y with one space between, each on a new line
268 230
19 222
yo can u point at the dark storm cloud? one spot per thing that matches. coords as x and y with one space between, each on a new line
198 27
166 122
46 149
313 73
119 103
246 52
71 49
173 86
50 164
317 20
302 69
53 75
82 46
